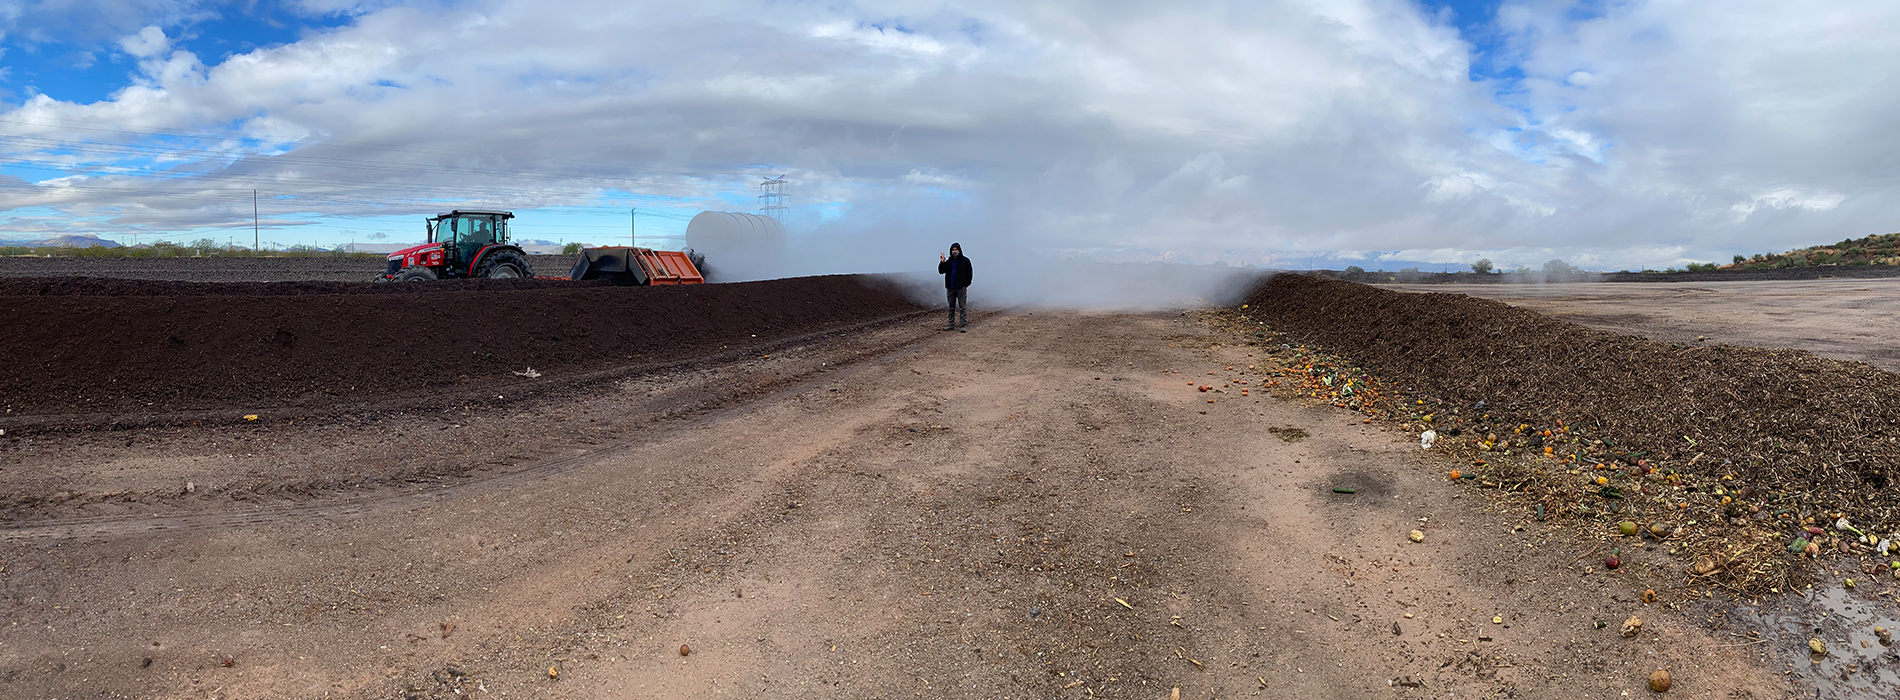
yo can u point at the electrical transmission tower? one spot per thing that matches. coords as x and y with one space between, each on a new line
772 198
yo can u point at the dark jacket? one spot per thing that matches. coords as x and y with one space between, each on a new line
955 271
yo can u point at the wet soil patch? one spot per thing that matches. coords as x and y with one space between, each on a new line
90 346
1288 434
1858 663
1356 486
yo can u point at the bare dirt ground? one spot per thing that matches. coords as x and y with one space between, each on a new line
1044 507
1845 319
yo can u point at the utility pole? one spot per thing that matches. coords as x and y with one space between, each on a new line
633 227
254 243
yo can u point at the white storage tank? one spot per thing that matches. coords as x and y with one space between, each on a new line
737 246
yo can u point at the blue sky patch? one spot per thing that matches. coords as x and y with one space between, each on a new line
72 68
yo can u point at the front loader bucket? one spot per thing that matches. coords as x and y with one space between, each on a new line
617 264
636 266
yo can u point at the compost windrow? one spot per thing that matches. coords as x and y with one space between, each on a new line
1822 432
89 346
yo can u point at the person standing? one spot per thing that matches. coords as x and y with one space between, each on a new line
956 280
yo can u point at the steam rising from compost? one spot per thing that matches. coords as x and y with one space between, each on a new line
1007 273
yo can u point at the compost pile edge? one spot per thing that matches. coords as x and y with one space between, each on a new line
1768 440
93 346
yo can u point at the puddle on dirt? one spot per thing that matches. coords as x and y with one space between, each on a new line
1857 664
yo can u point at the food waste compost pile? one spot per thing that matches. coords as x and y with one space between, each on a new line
90 346
1743 460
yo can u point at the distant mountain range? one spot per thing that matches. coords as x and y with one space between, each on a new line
61 242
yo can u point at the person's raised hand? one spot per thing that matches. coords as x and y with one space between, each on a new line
941 258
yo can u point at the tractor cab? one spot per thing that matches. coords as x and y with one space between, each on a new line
465 233
461 244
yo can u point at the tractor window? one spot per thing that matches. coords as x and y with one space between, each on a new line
445 231
479 231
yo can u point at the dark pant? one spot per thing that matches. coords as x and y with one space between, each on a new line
959 301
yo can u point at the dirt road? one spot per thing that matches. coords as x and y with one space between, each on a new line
1845 319
1044 507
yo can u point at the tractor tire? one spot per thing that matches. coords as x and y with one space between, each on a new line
417 273
504 264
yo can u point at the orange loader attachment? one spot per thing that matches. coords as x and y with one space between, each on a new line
668 267
636 266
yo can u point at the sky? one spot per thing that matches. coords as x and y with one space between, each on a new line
1382 133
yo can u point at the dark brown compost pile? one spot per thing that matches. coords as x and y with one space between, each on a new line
86 345
1821 431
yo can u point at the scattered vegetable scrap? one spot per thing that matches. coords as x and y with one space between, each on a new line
1586 425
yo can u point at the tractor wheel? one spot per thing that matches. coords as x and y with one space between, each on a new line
505 264
417 273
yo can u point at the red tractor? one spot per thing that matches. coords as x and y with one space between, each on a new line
461 244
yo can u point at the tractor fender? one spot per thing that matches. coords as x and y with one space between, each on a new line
476 259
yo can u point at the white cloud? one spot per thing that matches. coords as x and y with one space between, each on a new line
1272 126
342 7
96 21
1697 117
891 39
148 42
1789 197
